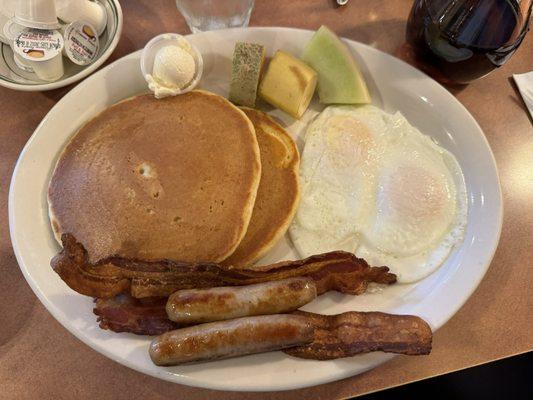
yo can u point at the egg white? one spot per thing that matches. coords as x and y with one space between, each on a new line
337 156
374 185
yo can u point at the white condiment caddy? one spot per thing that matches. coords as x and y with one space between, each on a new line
14 76
39 18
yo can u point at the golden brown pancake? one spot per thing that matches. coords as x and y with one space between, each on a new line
278 194
174 178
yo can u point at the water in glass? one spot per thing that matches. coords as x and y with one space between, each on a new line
207 15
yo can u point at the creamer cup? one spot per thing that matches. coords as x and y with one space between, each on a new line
81 43
11 30
40 14
41 50
91 12
19 61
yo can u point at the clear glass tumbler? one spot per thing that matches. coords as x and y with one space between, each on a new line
208 15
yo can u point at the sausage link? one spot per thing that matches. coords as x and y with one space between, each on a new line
196 306
237 337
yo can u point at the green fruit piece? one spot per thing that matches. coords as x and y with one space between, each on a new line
248 60
339 79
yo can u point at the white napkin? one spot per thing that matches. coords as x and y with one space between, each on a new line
525 85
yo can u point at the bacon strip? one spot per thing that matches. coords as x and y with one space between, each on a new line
124 313
336 270
352 333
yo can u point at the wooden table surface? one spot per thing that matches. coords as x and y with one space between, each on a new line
40 359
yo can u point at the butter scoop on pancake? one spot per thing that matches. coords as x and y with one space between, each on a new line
278 193
151 179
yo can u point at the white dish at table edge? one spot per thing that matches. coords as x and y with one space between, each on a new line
394 85
86 71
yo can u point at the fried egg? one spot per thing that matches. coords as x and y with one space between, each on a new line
374 185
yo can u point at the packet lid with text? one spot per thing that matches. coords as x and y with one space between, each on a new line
81 43
38 44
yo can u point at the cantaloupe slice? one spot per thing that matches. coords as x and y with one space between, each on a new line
339 79
288 84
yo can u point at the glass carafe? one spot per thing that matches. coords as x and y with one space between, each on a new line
462 40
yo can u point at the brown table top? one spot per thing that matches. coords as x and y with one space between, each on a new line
41 359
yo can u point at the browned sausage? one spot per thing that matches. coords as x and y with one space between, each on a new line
236 337
195 306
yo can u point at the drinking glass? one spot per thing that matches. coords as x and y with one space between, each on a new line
207 15
457 41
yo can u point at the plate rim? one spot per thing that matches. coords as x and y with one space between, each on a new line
191 381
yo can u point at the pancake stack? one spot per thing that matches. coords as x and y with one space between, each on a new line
187 178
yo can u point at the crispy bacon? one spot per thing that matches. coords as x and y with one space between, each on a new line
336 270
351 333
124 313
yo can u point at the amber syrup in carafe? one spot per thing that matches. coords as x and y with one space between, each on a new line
464 39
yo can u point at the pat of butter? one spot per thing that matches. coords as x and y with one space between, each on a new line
171 65
174 69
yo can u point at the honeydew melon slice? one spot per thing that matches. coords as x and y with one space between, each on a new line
339 79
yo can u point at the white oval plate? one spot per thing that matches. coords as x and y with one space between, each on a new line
394 85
